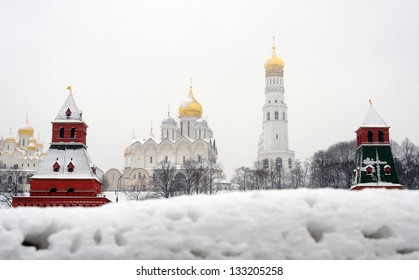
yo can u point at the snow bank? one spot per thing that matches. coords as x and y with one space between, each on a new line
293 224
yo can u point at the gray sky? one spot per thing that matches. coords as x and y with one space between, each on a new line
128 60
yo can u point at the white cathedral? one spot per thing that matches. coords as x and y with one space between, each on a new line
273 142
188 138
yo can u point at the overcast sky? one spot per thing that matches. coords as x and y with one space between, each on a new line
127 61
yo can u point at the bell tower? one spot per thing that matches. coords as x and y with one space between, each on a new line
273 142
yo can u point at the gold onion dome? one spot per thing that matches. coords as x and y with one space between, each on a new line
32 146
274 61
26 129
127 151
191 107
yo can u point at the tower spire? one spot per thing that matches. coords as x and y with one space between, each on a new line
151 130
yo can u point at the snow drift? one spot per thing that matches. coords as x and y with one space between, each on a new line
292 224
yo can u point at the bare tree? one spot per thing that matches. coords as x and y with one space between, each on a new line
164 183
11 184
243 178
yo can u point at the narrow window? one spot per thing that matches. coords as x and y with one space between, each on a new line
151 159
278 162
166 158
266 163
269 116
276 115
283 116
387 170
277 137
62 132
380 136
369 169
370 136
73 133
290 163
23 142
184 159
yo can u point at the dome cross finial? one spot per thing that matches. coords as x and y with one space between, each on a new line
273 46
370 101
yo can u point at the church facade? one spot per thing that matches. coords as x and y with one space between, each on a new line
273 150
187 138
21 154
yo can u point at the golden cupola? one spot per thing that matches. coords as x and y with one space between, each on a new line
274 61
26 129
190 107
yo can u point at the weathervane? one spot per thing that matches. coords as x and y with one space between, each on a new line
69 88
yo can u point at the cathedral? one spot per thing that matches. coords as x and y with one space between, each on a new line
23 152
187 138
273 148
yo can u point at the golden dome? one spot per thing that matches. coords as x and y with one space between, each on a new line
191 107
32 140
127 151
10 138
274 61
32 146
26 129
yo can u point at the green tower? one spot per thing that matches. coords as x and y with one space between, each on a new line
374 160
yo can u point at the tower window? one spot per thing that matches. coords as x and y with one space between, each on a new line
276 115
23 142
290 163
387 170
277 137
70 167
370 136
73 133
283 116
56 167
68 112
380 136
53 190
276 101
62 132
269 116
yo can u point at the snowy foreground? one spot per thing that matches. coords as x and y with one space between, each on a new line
294 224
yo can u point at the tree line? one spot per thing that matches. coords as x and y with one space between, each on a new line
330 168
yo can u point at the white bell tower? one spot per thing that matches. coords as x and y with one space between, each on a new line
273 142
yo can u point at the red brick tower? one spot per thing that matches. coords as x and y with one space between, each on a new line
66 176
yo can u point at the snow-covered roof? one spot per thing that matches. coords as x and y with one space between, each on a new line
373 118
69 104
79 157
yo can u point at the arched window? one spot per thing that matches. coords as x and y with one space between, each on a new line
283 116
269 116
70 190
62 132
266 163
387 170
380 136
290 163
278 162
276 115
370 136
53 190
73 133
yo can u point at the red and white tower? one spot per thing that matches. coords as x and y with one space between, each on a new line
66 176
